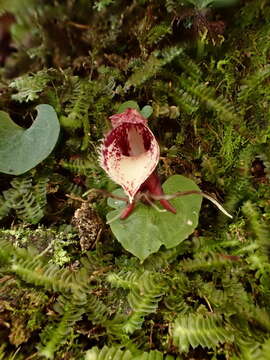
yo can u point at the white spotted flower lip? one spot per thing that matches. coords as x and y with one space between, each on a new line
129 152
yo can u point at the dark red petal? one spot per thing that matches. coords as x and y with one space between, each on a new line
153 185
121 137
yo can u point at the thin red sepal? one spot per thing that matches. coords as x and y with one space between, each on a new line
127 211
153 185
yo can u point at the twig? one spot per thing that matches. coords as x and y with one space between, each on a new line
77 198
79 26
107 194
208 303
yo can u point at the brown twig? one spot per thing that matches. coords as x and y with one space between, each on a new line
107 194
79 26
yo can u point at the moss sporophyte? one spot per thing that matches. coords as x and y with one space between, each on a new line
129 154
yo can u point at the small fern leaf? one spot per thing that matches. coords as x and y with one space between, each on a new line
195 329
26 199
251 349
252 83
96 311
128 280
4 207
49 275
112 353
6 251
144 300
152 66
206 95
80 166
57 335
146 290
115 353
204 262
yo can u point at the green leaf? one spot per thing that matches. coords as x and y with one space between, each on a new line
128 105
20 149
195 329
146 111
146 229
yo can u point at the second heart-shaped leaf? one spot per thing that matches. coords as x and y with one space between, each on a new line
22 149
146 229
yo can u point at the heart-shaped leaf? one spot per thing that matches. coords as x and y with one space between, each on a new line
20 149
130 104
146 229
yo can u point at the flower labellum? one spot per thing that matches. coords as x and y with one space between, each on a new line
129 154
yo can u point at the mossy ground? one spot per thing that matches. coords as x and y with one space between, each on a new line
205 72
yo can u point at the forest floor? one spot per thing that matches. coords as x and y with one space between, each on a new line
154 286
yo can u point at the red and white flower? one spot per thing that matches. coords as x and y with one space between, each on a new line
129 154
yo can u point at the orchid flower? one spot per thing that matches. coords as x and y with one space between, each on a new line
129 154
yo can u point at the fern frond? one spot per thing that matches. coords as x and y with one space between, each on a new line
261 232
177 285
175 303
232 142
113 353
79 102
186 102
162 259
251 84
198 330
4 207
34 273
250 349
206 95
116 353
77 107
71 188
6 251
127 280
152 66
190 67
157 33
204 262
81 166
258 252
40 190
54 336
143 298
49 276
29 86
26 199
96 311
36 270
